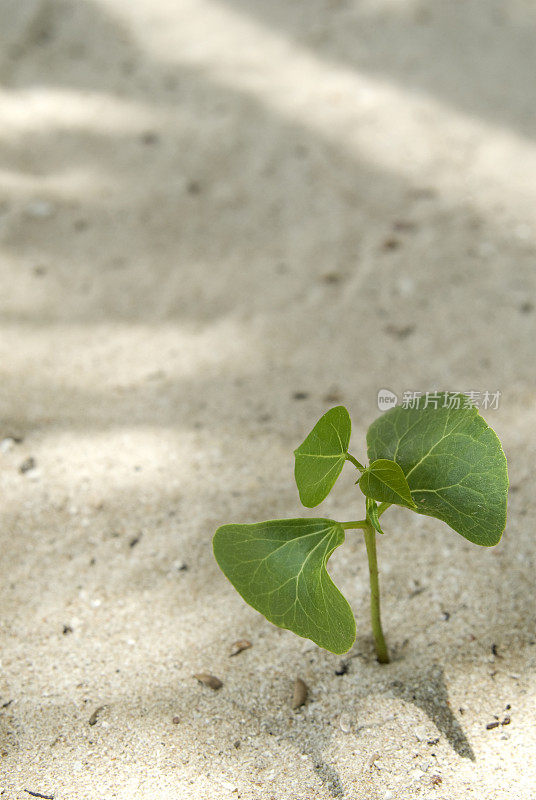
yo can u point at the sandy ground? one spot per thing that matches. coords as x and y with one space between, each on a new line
217 219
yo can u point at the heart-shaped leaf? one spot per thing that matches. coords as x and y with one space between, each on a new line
372 514
321 456
279 568
384 480
453 462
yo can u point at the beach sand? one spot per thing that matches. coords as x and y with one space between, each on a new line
219 218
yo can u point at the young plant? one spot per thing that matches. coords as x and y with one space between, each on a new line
439 458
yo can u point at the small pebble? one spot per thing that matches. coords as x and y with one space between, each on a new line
230 787
342 669
175 720
209 680
27 465
93 718
506 721
420 734
373 761
345 723
492 725
237 647
7 444
301 690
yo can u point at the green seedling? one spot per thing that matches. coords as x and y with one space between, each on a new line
440 459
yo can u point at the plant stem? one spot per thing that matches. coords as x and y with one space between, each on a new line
355 523
381 647
355 462
364 523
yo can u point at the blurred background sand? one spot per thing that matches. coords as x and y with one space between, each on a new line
217 219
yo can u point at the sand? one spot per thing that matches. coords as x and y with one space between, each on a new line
217 219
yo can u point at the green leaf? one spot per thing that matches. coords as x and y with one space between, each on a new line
372 514
384 480
321 456
279 568
453 462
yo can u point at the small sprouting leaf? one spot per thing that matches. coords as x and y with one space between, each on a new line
279 568
384 480
321 456
372 514
453 462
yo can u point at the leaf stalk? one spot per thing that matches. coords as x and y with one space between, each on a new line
356 523
355 462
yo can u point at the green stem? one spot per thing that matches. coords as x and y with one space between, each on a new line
356 523
355 462
381 647
364 523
